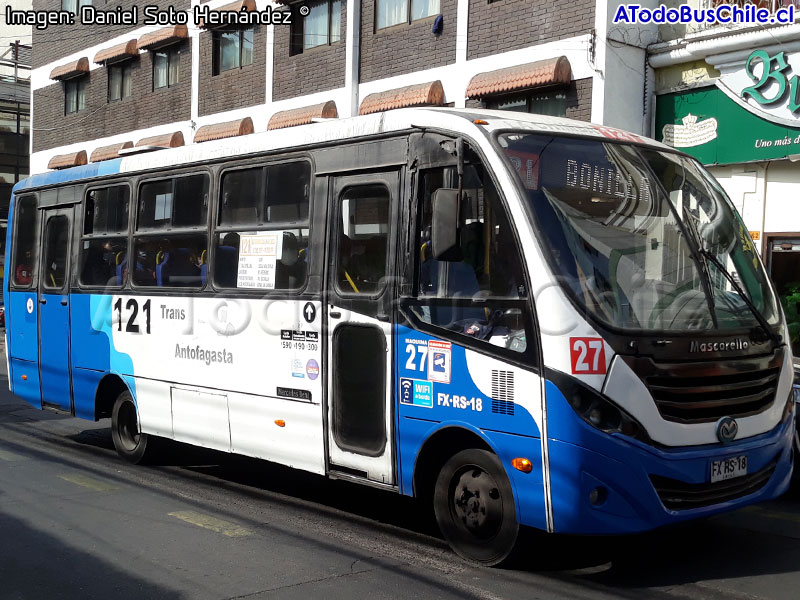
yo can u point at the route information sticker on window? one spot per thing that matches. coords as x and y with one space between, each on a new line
258 258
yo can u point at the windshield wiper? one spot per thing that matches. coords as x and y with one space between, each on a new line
702 260
735 284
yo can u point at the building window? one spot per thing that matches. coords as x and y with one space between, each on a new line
396 12
75 94
232 50
322 26
119 81
552 103
166 67
73 6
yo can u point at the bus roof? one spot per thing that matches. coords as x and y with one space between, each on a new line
449 119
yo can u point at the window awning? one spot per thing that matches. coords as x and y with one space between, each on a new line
108 152
122 51
65 161
303 115
165 140
421 94
217 131
71 69
553 71
163 37
239 6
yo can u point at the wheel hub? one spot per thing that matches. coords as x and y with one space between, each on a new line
476 502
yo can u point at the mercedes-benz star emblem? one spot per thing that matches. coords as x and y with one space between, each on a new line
727 428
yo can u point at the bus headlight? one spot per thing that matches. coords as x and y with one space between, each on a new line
597 410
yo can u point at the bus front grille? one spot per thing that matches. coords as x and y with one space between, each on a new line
679 495
700 392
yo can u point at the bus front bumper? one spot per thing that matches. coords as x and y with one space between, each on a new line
623 486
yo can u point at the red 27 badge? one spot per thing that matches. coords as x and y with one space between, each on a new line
587 355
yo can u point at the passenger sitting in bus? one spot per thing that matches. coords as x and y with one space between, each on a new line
24 271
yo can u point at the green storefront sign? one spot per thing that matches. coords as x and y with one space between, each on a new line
708 125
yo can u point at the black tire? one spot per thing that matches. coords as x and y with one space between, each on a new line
474 506
130 442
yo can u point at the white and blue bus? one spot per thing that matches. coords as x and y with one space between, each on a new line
526 321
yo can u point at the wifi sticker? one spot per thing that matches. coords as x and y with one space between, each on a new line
416 392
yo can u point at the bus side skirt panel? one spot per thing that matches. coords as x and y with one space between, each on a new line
26 381
84 386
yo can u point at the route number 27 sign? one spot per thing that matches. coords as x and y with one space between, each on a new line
587 356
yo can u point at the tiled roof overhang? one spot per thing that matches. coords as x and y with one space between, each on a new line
165 140
303 115
163 37
108 152
65 161
217 131
71 69
122 51
421 94
239 6
553 71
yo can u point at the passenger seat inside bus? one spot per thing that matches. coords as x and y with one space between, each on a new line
226 263
178 269
290 270
162 277
121 261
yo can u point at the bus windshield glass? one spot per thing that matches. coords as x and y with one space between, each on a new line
644 239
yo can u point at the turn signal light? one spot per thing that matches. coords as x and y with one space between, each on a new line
24 378
480 122
522 464
280 422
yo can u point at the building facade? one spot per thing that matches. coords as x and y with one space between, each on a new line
728 95
100 88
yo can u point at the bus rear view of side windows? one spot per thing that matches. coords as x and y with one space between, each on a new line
523 321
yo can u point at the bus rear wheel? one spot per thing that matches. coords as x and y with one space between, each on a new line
130 442
474 506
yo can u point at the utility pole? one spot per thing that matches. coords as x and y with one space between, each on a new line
16 59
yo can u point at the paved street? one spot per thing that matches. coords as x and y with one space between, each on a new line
77 522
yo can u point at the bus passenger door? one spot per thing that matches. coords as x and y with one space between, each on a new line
359 314
54 280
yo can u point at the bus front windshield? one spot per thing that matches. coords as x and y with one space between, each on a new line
644 239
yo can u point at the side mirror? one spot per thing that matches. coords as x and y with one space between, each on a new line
444 226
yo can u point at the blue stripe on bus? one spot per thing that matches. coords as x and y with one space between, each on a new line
106 167
93 349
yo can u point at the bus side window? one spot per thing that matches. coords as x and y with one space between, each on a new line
363 239
478 292
24 267
260 207
104 247
173 250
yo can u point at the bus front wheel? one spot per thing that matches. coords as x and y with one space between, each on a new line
474 506
130 442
